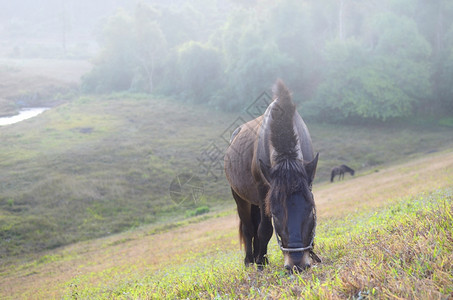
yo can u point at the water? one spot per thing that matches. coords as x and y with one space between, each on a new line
24 114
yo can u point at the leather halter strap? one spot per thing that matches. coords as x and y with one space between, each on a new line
299 249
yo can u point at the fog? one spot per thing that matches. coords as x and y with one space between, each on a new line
345 59
137 103
57 25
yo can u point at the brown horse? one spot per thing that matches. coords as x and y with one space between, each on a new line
340 172
270 166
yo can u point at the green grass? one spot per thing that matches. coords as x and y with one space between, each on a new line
102 165
400 251
95 167
371 147
448 122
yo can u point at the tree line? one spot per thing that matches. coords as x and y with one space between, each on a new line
377 59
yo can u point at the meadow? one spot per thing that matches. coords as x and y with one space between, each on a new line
99 165
384 235
86 209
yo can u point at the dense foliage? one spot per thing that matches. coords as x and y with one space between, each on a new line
343 59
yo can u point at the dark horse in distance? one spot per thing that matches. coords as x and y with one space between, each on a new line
270 166
340 172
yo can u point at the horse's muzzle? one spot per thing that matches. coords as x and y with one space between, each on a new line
297 261
297 268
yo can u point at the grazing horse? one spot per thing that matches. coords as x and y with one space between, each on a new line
270 166
340 172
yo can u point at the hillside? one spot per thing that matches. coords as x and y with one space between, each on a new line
98 165
385 234
94 167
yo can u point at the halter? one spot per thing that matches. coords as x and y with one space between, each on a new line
300 249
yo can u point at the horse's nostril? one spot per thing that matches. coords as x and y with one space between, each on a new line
297 268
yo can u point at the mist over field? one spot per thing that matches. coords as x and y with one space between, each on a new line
373 60
115 116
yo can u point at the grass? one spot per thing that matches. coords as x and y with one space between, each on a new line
369 148
80 184
88 183
448 122
200 256
401 251
94 166
101 165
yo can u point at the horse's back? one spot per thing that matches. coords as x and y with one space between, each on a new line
239 161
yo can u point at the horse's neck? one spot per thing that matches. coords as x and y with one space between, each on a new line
347 169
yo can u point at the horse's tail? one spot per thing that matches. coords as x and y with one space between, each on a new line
332 175
241 235
240 207
283 137
255 217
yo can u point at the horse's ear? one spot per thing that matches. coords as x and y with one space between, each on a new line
265 169
310 167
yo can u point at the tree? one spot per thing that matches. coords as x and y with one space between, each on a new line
181 24
381 80
435 21
290 26
132 47
344 58
253 59
444 78
150 45
114 66
200 72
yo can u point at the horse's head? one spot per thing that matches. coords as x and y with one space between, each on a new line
291 205
289 200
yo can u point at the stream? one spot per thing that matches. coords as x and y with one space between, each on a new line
25 113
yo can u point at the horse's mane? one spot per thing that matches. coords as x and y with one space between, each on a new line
345 167
288 173
283 137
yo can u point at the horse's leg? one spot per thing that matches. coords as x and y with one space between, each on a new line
332 175
265 230
246 228
256 219
264 235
